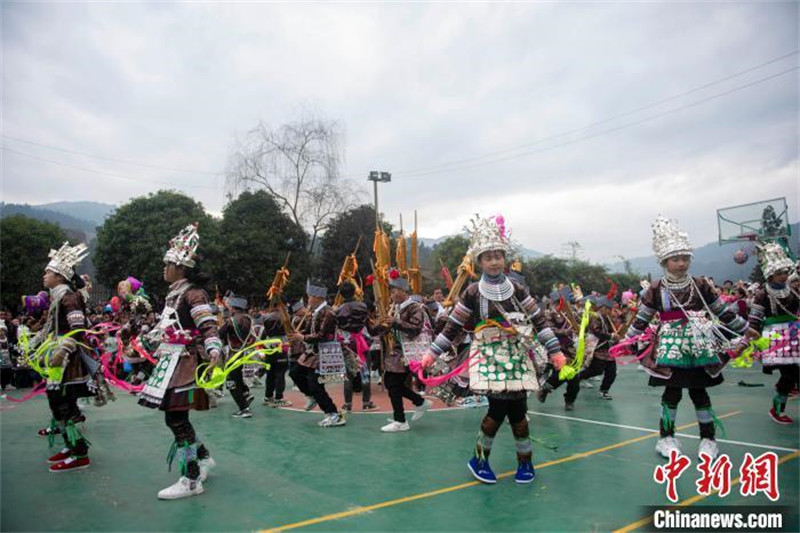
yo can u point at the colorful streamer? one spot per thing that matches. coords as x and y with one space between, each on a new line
627 346
37 390
571 370
247 355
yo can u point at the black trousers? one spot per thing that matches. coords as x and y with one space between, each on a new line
366 391
595 368
64 409
672 397
235 384
790 374
6 377
599 366
395 383
307 381
183 431
515 410
276 380
573 386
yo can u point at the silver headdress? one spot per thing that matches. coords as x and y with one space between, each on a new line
487 234
183 247
772 258
669 240
63 260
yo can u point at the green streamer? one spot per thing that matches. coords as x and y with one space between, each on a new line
51 436
173 449
543 443
718 423
668 422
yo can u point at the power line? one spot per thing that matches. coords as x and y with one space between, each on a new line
420 170
460 164
604 132
103 158
95 171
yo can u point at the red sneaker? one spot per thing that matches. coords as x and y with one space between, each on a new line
63 455
71 463
780 418
46 432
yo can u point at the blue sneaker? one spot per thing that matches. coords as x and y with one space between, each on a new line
525 473
482 471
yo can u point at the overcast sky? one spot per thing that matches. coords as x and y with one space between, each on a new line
417 87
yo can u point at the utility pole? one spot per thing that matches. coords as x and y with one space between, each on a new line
376 176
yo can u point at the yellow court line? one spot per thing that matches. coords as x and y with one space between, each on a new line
406 499
694 499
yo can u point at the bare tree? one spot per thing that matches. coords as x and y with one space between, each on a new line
298 163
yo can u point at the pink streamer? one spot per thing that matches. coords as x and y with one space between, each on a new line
113 379
361 346
109 368
435 381
141 351
37 390
176 336
624 347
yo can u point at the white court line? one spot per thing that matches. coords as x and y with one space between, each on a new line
377 412
646 430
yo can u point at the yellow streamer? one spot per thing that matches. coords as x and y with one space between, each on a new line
571 370
745 359
246 355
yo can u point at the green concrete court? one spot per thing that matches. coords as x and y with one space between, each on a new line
279 470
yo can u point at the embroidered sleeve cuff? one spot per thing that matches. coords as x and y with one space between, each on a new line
76 319
460 314
528 304
549 340
645 313
718 306
212 343
440 345
738 324
756 316
201 314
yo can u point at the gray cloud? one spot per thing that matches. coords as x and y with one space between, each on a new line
417 86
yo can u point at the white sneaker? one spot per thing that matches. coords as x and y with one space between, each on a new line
421 410
333 420
205 465
395 427
709 447
469 401
665 445
184 488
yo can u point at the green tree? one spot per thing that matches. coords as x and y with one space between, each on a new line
340 240
542 273
450 252
132 241
257 235
24 247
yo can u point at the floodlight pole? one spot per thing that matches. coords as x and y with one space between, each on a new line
376 176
